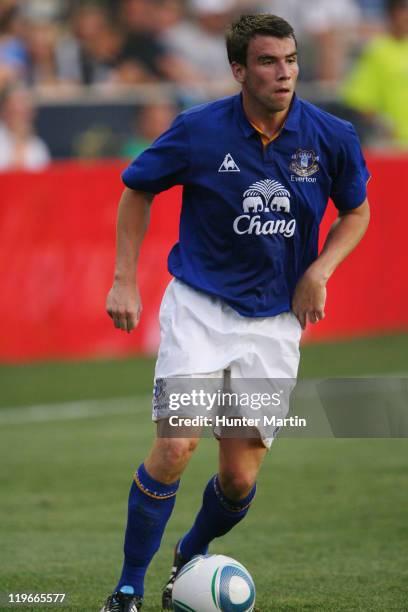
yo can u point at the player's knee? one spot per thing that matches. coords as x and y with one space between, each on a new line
236 485
176 451
168 458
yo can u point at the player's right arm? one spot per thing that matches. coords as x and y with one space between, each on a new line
123 303
161 166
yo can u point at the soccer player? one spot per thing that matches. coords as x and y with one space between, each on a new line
258 169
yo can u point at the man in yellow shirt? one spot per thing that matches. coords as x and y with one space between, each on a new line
378 84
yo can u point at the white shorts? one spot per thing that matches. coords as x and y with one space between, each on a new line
203 337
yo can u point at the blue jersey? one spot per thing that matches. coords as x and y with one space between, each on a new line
250 216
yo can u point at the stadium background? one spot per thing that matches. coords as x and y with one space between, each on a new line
328 530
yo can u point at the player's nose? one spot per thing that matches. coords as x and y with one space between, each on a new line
283 71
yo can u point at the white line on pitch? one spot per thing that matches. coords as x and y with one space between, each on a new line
95 408
67 411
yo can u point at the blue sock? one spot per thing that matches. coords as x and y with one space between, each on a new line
217 516
150 506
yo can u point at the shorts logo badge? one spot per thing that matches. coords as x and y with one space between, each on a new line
304 163
160 395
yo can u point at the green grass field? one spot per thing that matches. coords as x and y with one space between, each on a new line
328 530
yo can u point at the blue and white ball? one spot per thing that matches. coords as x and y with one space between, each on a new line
211 583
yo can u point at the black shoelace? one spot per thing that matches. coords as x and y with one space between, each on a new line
114 604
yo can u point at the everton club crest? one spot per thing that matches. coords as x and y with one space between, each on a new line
305 163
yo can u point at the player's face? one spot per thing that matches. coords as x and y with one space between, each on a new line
269 77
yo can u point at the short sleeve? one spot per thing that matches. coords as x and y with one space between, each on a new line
164 164
349 189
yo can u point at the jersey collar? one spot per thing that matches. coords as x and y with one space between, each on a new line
291 124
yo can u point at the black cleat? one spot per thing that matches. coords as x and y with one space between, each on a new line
178 562
123 601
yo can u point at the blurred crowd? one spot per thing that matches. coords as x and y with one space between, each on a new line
58 47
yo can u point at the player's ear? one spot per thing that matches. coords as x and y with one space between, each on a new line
239 72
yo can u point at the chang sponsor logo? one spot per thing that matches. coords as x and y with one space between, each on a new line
265 196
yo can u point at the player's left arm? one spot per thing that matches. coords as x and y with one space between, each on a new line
346 232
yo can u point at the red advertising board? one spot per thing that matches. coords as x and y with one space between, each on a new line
57 234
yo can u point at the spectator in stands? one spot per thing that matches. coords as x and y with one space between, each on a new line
45 10
372 21
144 56
151 121
324 29
372 10
13 54
142 50
41 40
378 84
20 148
168 13
89 55
200 41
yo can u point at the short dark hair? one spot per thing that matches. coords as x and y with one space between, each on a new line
241 32
393 5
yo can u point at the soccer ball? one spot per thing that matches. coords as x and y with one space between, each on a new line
210 583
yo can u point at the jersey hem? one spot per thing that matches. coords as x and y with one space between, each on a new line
258 315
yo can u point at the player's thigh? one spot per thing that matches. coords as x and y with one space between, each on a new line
239 462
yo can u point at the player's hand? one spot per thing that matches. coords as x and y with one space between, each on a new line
123 305
310 298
